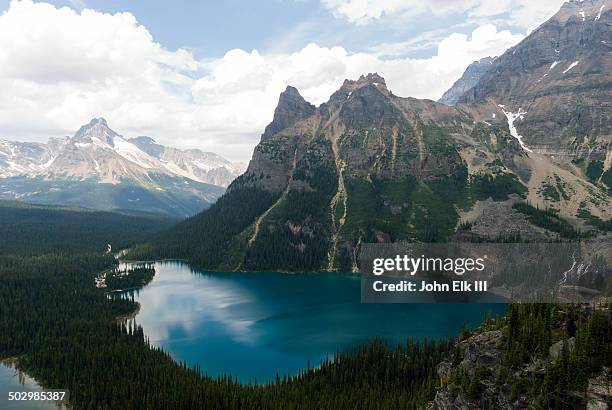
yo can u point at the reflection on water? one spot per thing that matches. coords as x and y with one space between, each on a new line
12 380
253 325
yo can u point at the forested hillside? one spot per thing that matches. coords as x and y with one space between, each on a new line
38 229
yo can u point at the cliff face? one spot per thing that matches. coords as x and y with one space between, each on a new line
560 76
469 79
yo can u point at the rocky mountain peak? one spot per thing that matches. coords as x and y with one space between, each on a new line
97 130
371 79
581 10
556 75
291 108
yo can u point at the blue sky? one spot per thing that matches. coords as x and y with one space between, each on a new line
207 74
210 28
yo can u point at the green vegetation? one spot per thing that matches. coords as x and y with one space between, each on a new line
528 333
597 222
295 235
64 332
496 187
606 178
548 219
205 239
39 229
594 170
549 192
132 278
562 188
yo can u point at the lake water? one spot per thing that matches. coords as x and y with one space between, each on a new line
11 380
253 325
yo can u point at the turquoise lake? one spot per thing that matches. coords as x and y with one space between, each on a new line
253 325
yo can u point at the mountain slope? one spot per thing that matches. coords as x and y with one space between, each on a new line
560 76
472 74
369 166
195 164
555 88
27 158
100 169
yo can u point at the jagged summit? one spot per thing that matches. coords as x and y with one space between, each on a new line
99 122
96 130
291 108
100 169
371 79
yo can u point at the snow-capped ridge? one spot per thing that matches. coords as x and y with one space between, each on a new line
97 152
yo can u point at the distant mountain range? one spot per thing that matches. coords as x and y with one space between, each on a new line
524 155
100 169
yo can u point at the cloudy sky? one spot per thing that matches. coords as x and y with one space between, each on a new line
207 74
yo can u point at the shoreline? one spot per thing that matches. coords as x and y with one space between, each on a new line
129 316
202 269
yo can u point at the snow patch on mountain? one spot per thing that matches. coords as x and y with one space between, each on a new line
133 153
512 117
574 64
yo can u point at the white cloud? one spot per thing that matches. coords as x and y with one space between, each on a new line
59 68
241 89
520 13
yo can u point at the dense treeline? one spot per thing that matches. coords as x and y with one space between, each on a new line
207 239
36 229
129 278
548 219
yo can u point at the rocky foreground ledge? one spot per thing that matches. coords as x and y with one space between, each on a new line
537 356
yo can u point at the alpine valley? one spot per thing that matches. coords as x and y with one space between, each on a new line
525 154
140 276
98 168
